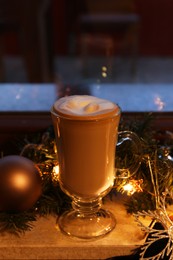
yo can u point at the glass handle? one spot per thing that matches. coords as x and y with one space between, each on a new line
128 154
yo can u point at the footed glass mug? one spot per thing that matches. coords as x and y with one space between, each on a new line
86 130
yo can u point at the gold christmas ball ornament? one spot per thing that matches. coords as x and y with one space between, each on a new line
20 183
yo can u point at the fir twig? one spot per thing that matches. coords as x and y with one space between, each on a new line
16 223
53 201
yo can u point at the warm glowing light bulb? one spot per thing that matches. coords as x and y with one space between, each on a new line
104 68
56 169
129 188
104 74
104 71
133 186
55 173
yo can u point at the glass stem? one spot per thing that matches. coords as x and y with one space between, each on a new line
85 208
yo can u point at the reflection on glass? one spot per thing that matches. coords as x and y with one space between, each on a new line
90 42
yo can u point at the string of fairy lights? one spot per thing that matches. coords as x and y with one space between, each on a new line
146 188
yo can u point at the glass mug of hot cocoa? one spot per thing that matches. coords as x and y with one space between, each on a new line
86 129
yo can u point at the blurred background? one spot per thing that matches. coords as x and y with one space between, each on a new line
78 41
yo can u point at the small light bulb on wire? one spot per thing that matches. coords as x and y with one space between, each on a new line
133 186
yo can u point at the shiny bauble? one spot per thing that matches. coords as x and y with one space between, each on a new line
20 184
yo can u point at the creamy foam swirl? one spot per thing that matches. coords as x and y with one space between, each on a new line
83 105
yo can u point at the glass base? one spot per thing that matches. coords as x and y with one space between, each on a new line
87 226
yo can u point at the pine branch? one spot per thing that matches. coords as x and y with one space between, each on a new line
17 223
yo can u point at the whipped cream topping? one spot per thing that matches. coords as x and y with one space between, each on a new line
83 105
